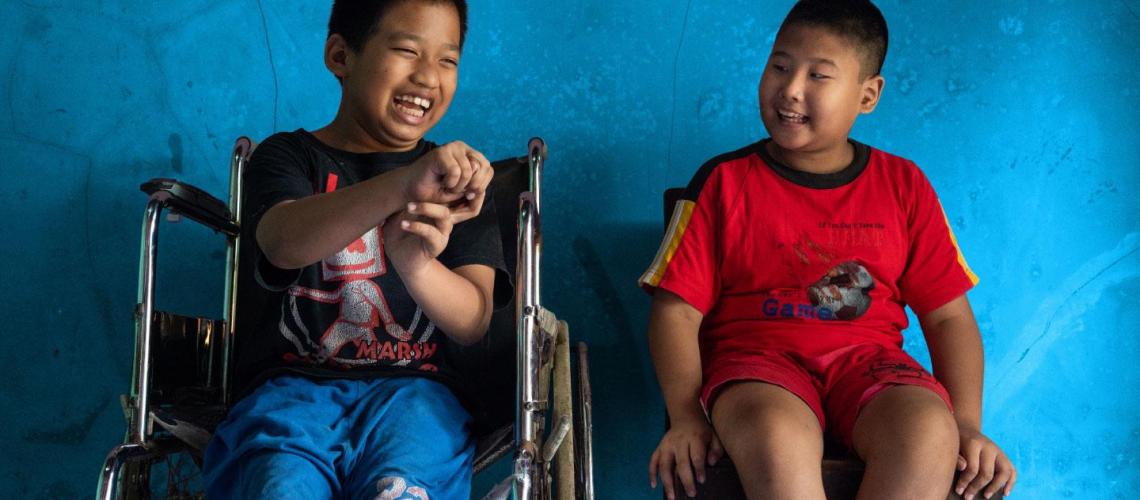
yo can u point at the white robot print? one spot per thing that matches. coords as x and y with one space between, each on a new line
362 304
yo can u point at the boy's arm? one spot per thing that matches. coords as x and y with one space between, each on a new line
956 354
457 300
690 441
295 233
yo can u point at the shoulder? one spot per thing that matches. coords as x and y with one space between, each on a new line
729 164
284 143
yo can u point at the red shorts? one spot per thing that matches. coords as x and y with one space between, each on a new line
836 385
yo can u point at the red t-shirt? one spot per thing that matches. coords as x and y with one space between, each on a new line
776 258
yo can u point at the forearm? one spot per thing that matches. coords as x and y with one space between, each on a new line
450 300
297 233
675 350
958 360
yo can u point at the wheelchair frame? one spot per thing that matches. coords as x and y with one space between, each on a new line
542 357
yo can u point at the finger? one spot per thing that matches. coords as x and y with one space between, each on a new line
697 457
449 168
482 168
481 178
425 210
985 471
967 474
1012 480
653 468
716 450
665 471
464 163
434 238
961 463
1002 472
685 472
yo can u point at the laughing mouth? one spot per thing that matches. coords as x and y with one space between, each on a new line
413 105
791 117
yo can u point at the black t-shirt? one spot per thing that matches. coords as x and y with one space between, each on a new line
348 316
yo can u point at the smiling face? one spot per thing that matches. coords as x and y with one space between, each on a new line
811 91
399 85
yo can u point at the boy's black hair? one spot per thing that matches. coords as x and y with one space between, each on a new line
357 20
856 20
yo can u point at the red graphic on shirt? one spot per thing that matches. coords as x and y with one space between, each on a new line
362 310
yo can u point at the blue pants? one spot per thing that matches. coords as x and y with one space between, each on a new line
300 438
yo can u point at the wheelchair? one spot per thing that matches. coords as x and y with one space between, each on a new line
181 382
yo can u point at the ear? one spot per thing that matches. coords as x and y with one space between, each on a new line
872 90
338 56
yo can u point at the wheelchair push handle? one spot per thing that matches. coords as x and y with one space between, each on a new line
193 202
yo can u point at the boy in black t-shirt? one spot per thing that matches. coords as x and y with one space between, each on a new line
366 250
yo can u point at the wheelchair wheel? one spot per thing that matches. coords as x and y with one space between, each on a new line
179 476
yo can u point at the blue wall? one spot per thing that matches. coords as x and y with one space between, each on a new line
1024 116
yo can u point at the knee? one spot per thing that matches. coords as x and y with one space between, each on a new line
768 431
907 425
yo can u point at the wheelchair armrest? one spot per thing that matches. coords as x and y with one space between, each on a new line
189 200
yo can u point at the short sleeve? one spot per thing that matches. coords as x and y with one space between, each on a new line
936 271
277 172
477 241
686 262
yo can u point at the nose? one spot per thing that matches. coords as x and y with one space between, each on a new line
426 73
792 87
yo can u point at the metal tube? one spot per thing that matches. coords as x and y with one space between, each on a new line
536 158
242 149
109 478
140 386
586 436
528 403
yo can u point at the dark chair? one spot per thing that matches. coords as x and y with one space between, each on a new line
842 470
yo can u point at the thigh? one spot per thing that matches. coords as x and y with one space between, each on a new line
773 368
285 424
861 374
414 442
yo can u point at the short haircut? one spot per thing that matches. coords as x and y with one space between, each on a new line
858 21
357 20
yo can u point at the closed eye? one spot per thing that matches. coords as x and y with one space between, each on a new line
405 50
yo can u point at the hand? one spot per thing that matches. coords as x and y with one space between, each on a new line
982 465
418 234
683 451
454 174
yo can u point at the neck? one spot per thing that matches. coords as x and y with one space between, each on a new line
827 161
346 134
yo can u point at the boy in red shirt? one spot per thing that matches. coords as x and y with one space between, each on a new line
780 287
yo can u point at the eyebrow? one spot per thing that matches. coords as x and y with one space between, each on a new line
402 35
820 60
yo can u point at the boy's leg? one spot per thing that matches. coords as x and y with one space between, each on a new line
774 438
897 418
909 440
414 442
278 442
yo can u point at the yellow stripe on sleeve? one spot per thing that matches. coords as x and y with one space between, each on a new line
961 258
682 212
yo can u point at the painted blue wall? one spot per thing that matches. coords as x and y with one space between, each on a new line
1023 113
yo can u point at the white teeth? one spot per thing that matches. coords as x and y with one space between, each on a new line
788 115
418 101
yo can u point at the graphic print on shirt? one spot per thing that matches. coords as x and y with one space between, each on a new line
842 293
352 339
